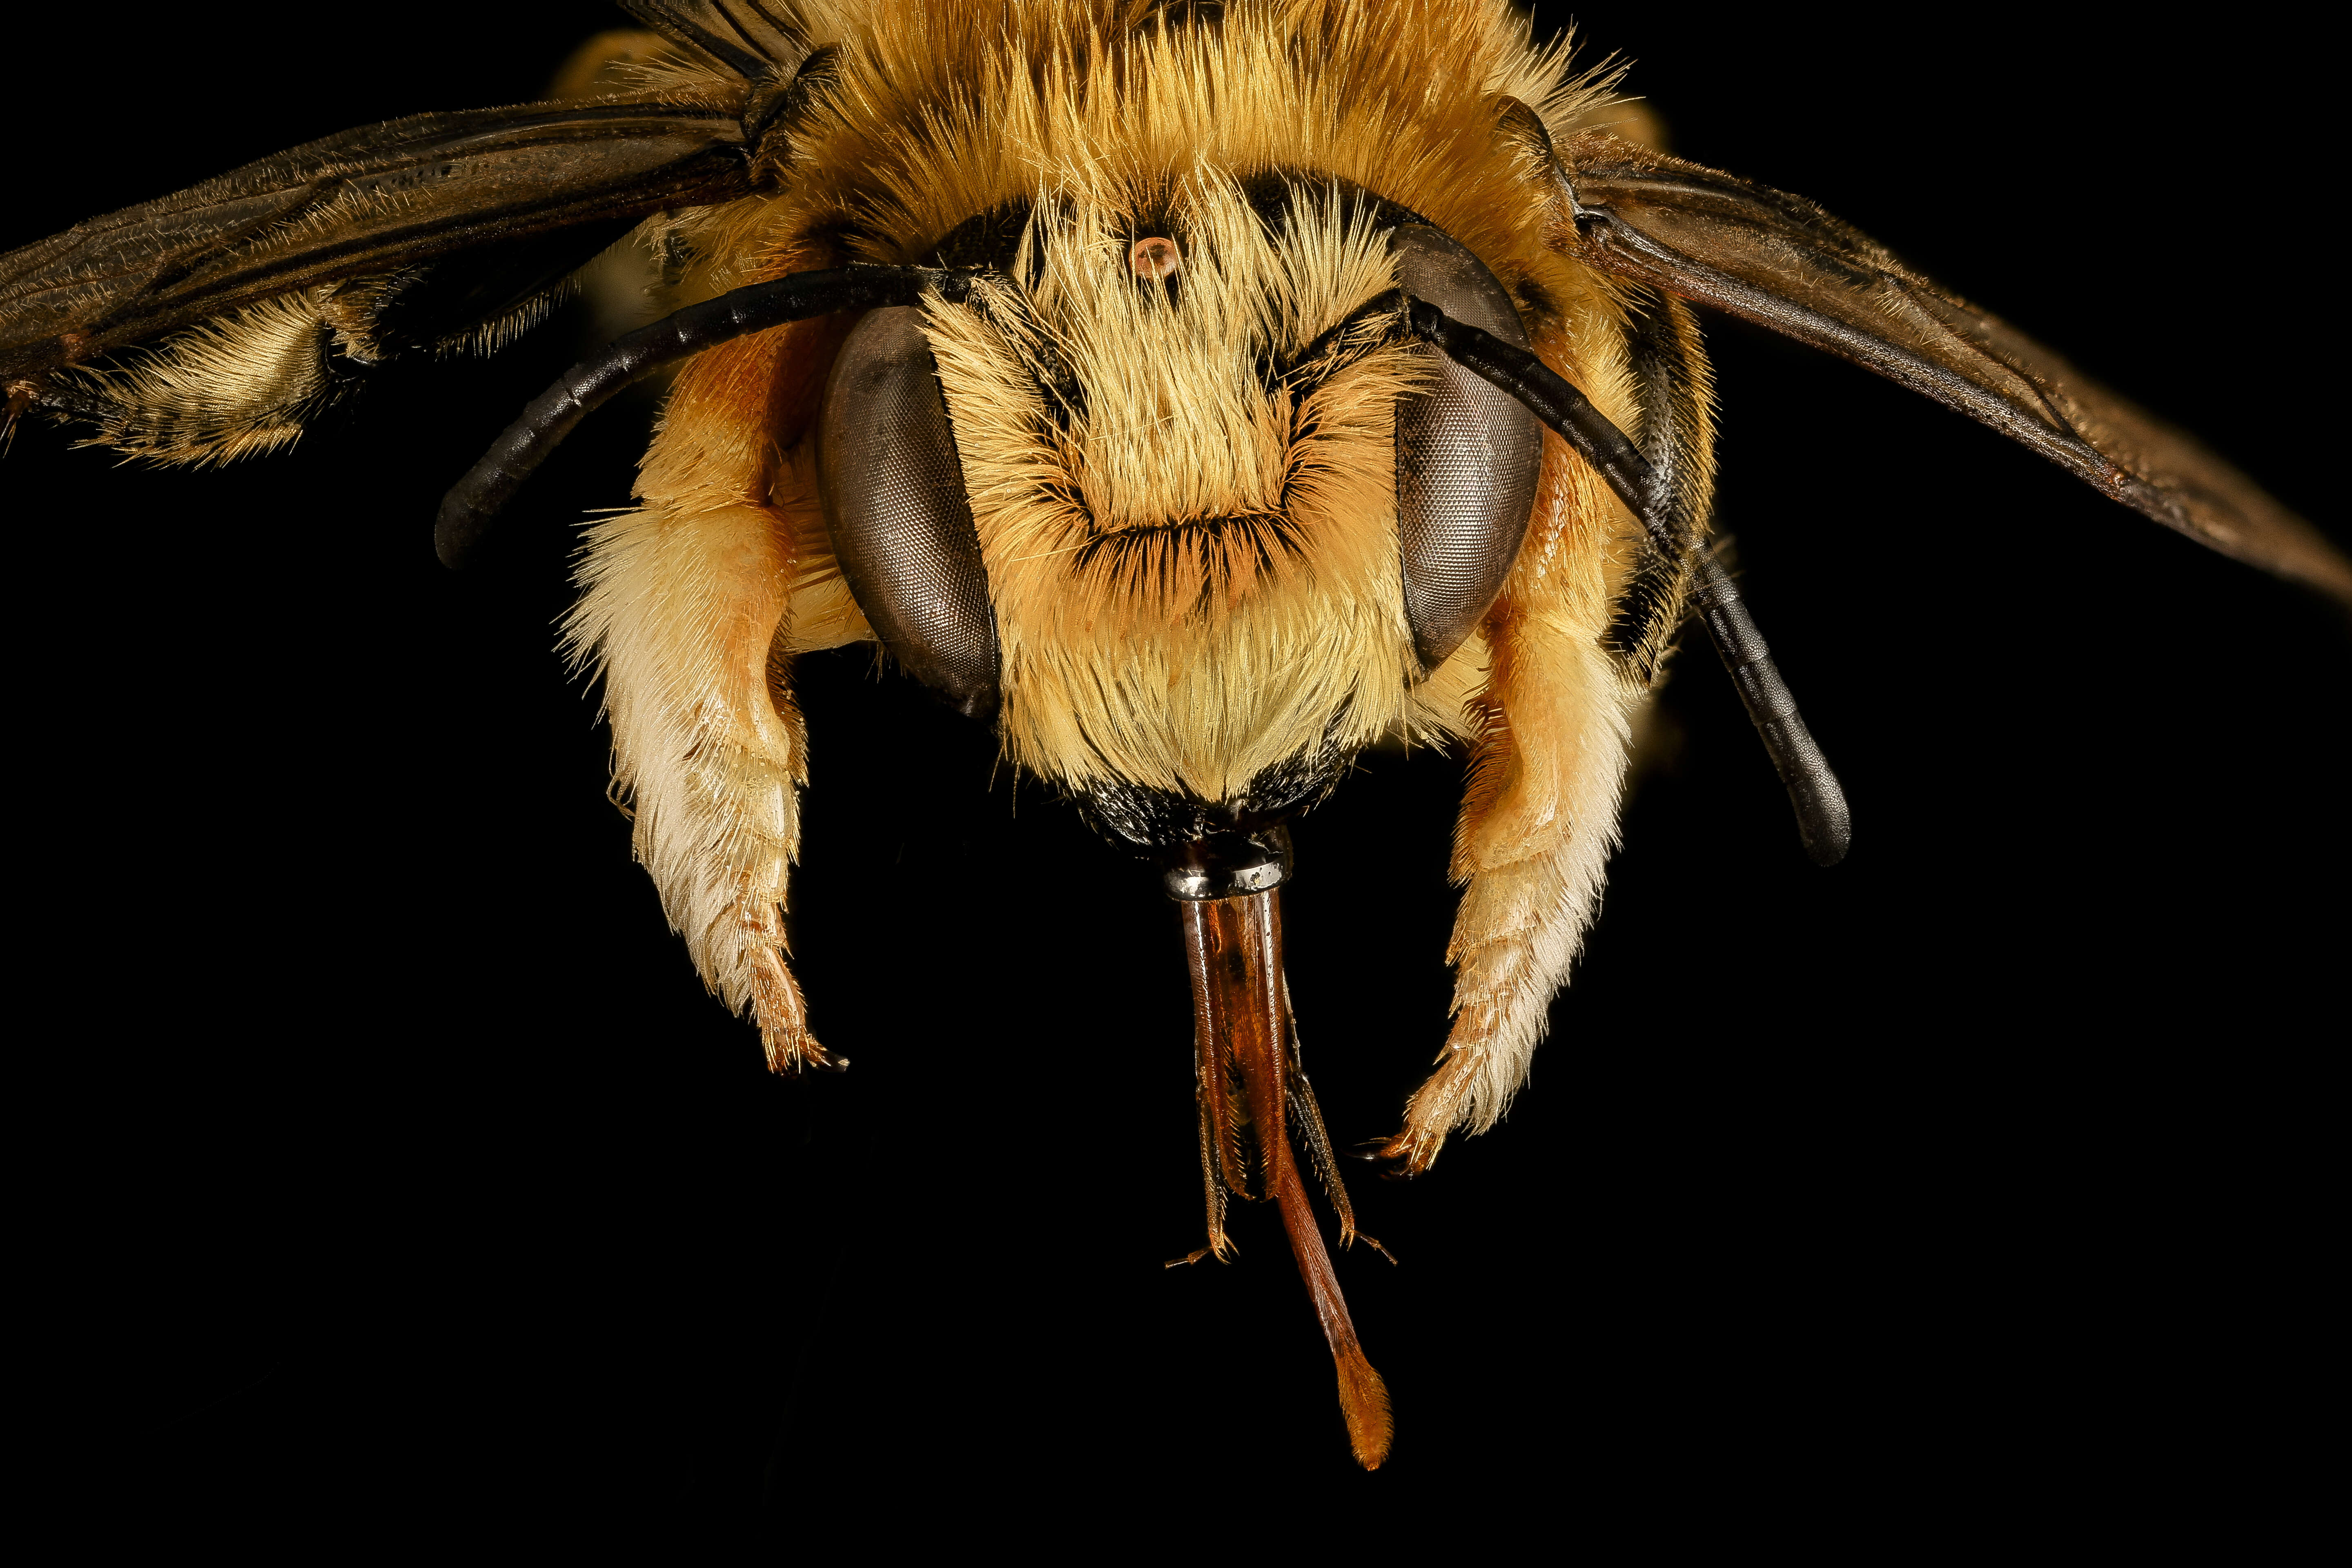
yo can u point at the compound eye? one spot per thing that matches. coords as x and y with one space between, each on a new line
1467 456
895 502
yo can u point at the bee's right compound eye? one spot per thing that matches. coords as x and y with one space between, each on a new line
1467 456
895 503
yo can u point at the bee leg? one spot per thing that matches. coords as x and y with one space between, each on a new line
693 608
1539 816
1655 496
1446 1098
776 995
1538 822
682 609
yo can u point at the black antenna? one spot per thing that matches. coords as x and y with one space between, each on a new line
1823 821
471 504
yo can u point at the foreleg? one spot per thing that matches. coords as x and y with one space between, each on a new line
688 614
1537 825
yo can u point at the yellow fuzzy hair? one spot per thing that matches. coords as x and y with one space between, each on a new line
940 111
1199 574
1191 579
1096 113
241 385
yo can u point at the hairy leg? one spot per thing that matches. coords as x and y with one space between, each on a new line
687 613
1550 729
681 611
1538 826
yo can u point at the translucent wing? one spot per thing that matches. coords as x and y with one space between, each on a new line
1779 260
750 38
454 217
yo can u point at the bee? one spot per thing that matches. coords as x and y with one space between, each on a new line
1255 308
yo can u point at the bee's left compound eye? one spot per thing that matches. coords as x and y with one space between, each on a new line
1467 456
895 502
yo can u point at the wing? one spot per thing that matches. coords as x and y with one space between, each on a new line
369 201
436 231
750 38
1779 260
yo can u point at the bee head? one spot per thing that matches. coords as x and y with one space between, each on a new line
1170 495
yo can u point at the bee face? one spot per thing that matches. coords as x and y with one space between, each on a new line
1189 537
1162 502
1939 950
1201 555
1217 518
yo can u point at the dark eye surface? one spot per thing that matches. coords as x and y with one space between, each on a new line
1467 456
902 525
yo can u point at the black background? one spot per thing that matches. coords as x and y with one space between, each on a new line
389 1170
